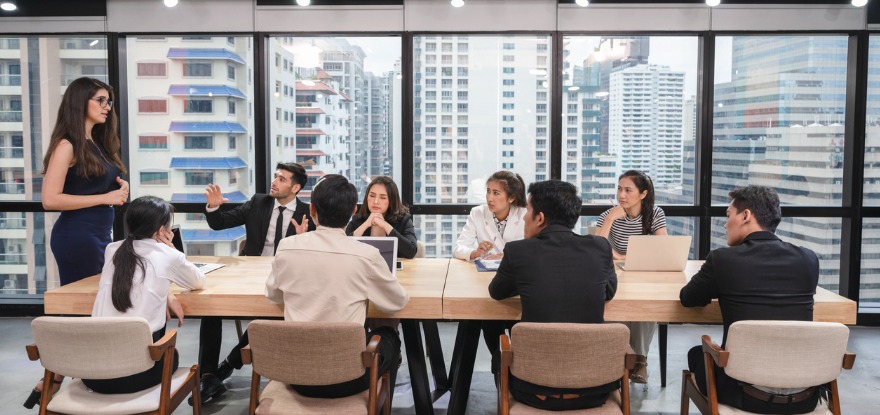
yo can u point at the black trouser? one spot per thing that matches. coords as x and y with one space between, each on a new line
210 341
389 360
550 399
137 382
492 331
730 390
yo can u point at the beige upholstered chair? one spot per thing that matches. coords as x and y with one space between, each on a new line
312 353
106 348
773 354
567 355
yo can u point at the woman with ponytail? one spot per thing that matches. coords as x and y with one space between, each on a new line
634 215
137 274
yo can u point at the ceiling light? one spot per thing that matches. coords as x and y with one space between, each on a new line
859 3
8 6
303 2
582 3
713 3
457 3
170 3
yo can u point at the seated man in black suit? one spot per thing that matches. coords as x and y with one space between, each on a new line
561 277
267 219
758 277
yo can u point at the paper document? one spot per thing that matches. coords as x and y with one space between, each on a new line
485 265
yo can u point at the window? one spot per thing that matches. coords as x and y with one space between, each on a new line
508 69
230 106
509 46
198 178
152 105
230 72
507 130
151 69
507 106
507 94
199 105
462 83
154 178
198 142
462 71
463 95
507 58
507 154
233 142
153 142
507 118
197 69
507 82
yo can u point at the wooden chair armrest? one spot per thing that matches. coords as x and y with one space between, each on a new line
158 348
246 356
367 355
32 352
849 359
506 353
629 359
503 379
718 354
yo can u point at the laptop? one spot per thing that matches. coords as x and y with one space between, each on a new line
387 246
666 253
177 241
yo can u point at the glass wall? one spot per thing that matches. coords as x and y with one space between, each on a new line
872 126
335 105
869 287
629 102
34 73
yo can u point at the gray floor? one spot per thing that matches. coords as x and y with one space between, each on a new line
860 387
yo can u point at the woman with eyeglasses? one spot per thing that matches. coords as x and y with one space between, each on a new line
81 178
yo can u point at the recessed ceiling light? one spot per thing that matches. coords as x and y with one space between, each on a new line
170 3
582 3
303 2
8 6
713 3
859 3
457 3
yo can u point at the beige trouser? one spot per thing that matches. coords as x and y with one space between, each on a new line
640 335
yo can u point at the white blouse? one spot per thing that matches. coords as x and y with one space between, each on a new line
149 292
481 226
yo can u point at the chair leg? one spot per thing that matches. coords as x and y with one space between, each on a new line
197 401
238 328
834 399
389 390
255 393
685 402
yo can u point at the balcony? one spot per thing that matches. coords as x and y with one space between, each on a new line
11 188
10 116
10 80
11 152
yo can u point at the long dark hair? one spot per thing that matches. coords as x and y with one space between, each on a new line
513 185
396 209
643 182
144 216
71 125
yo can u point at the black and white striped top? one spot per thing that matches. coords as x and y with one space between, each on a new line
625 227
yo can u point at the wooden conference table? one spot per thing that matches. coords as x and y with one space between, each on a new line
440 289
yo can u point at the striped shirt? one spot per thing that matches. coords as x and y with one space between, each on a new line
625 227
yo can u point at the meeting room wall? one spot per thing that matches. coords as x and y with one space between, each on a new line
251 27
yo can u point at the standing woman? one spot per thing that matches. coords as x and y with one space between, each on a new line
81 178
137 274
634 215
383 214
490 226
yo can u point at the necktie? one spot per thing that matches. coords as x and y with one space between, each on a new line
279 224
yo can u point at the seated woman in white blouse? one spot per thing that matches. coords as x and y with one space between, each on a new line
135 280
490 226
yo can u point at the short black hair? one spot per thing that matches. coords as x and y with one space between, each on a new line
334 198
297 170
762 201
557 200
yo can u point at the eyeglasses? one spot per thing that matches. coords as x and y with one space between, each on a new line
104 102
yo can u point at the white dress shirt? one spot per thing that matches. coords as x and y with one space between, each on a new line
149 291
481 226
269 243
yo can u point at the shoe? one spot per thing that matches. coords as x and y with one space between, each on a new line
32 399
210 389
640 371
224 370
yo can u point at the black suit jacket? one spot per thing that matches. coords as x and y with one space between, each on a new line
255 215
763 278
403 230
560 276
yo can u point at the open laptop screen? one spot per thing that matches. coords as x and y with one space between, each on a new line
387 246
177 241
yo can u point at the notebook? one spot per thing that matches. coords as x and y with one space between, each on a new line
177 241
387 246
656 253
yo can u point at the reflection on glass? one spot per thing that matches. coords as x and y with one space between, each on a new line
821 235
34 73
481 104
629 102
869 289
334 106
779 117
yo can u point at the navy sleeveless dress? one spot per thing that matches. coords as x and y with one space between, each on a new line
80 236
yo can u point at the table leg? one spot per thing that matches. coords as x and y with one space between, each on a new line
662 339
435 357
466 341
418 371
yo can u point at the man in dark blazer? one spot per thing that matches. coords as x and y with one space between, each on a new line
266 223
561 277
758 277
